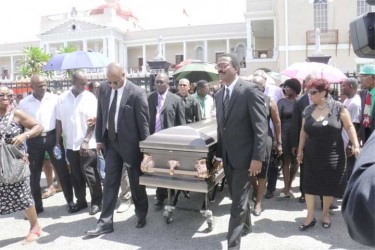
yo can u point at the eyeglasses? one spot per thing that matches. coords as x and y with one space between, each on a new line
159 82
114 82
7 95
313 92
222 65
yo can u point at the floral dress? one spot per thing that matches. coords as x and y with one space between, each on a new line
17 196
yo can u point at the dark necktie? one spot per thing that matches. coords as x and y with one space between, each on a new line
226 103
111 119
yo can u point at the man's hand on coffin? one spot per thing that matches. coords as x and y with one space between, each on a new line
255 167
147 163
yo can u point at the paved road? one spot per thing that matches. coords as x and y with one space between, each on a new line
276 228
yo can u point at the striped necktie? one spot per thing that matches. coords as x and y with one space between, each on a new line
226 103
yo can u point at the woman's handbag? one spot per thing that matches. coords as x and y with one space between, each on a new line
13 165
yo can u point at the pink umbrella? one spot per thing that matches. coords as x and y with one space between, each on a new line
320 70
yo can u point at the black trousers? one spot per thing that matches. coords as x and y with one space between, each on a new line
239 188
36 148
84 170
114 164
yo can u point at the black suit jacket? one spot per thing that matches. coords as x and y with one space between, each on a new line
358 204
172 114
298 108
363 95
132 122
242 136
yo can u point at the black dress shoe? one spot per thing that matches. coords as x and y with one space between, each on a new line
94 210
80 206
99 230
159 204
71 207
333 206
141 223
302 199
304 227
246 231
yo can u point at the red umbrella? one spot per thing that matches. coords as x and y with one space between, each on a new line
320 70
186 62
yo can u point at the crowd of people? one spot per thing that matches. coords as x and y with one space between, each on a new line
92 139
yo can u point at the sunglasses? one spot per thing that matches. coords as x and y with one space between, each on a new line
313 92
222 65
7 95
159 82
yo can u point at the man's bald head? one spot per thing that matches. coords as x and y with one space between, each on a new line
39 86
260 81
115 75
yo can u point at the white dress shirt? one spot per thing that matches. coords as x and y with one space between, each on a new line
120 92
73 112
43 111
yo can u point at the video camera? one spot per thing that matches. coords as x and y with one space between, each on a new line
362 33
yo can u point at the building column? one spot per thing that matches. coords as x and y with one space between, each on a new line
164 52
205 48
46 48
184 50
105 50
125 54
11 73
249 49
144 59
121 53
84 45
111 49
228 47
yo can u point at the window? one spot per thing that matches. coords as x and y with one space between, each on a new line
199 53
320 15
363 7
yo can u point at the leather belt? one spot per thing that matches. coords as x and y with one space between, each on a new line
44 134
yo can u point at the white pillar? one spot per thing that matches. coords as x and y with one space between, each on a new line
184 50
105 50
47 48
11 73
228 47
121 53
249 49
125 58
164 52
84 45
111 49
144 58
205 48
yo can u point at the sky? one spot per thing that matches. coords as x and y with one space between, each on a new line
20 19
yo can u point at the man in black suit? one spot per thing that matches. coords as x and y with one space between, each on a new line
192 108
121 123
166 111
242 134
301 103
358 204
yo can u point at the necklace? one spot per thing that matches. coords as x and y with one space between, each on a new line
321 107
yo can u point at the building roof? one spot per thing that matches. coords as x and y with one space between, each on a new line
121 10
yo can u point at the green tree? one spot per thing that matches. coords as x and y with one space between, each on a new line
34 62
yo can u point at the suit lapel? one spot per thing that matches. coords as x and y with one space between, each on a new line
233 96
124 99
166 101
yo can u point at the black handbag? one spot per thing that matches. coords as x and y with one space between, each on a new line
13 166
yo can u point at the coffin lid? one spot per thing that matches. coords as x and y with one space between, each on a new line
191 137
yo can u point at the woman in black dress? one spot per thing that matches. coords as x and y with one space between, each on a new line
17 196
321 148
292 88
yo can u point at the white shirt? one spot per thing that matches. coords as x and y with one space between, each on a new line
230 87
43 111
120 92
353 105
73 112
274 91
